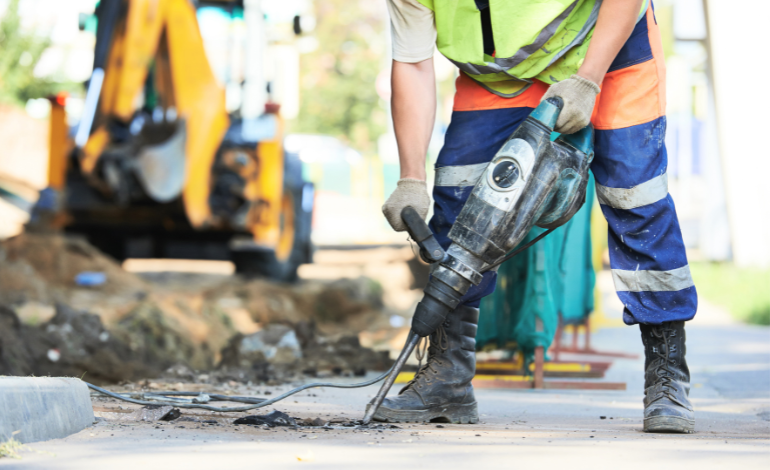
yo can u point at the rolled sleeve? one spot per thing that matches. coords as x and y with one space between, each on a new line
413 30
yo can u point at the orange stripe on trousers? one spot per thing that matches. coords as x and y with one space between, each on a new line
470 96
637 94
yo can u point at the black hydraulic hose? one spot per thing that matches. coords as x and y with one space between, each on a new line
197 397
514 253
262 403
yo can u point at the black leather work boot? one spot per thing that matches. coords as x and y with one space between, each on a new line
441 390
667 407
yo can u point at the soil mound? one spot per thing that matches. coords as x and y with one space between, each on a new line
71 344
136 326
37 266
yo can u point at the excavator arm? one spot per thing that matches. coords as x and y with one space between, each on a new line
133 38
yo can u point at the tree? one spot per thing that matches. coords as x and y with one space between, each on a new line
338 95
19 53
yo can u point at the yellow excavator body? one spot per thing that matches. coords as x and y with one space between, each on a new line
226 190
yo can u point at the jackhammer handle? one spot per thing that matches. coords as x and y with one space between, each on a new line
547 112
416 227
430 250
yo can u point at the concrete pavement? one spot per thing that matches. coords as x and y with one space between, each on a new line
730 366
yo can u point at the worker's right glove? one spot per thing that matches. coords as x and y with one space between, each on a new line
579 96
409 192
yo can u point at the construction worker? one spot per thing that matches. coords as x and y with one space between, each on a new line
605 60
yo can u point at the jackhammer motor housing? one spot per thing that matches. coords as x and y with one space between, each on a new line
532 180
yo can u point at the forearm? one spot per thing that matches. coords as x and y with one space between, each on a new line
616 21
413 104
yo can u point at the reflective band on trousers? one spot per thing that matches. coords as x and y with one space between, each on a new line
460 175
652 281
646 193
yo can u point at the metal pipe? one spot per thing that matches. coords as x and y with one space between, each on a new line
374 405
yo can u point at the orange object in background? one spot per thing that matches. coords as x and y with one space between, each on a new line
58 143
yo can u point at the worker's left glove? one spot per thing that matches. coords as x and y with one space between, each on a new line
579 96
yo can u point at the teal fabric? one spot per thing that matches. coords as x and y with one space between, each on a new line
579 278
553 276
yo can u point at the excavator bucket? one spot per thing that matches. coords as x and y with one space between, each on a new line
162 168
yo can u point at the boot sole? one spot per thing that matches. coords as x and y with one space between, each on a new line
672 424
454 414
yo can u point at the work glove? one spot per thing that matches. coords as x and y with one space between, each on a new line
409 192
579 96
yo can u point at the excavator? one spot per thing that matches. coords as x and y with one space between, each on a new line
163 163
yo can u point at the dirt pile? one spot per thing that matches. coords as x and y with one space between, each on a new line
43 267
137 326
145 345
279 352
70 344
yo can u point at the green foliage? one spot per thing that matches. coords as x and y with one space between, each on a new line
744 292
338 95
11 448
19 53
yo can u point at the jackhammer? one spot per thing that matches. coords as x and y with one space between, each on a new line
531 181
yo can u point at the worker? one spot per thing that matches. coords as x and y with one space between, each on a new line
605 60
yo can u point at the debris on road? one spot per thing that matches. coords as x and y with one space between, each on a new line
272 419
153 413
313 422
173 414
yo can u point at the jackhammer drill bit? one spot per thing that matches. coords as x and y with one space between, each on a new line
372 408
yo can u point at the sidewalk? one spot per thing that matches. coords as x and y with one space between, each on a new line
730 366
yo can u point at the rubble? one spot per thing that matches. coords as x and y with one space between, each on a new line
272 419
276 344
171 415
71 344
314 356
317 422
214 330
153 413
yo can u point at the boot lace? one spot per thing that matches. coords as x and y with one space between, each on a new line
438 344
662 370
